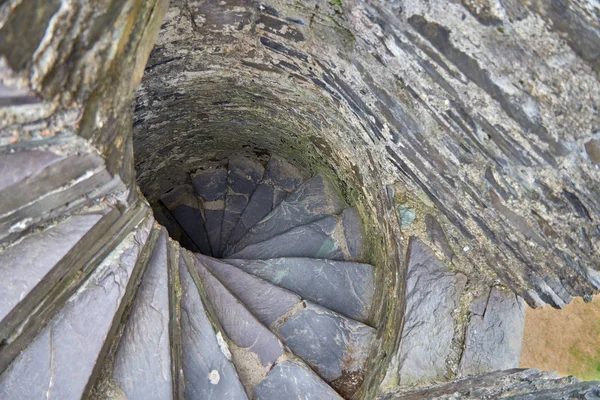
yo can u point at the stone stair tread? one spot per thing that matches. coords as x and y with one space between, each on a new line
207 367
280 179
142 363
211 186
60 361
324 238
311 201
255 349
266 301
335 346
25 264
15 167
185 207
292 380
344 287
243 175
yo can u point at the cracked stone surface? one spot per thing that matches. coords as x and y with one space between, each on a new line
263 299
243 176
25 264
343 287
207 369
494 334
17 166
313 200
211 187
291 380
142 364
432 294
335 346
60 360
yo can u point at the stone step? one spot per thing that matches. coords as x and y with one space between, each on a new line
266 301
142 363
31 265
211 186
15 167
333 237
335 346
64 358
185 207
206 360
243 175
313 200
293 380
255 349
344 287
281 179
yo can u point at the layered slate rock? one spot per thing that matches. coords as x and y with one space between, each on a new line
142 364
292 380
432 294
14 167
61 359
211 186
263 299
206 359
185 207
243 175
494 334
325 238
30 264
313 200
343 287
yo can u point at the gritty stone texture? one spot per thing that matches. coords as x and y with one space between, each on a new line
142 364
333 345
24 265
432 294
494 334
208 371
61 359
211 186
263 299
343 287
289 380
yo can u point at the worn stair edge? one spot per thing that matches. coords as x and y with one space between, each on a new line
82 266
174 261
18 166
164 217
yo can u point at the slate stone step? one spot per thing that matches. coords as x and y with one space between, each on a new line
344 287
60 361
281 179
336 347
185 207
207 367
333 238
293 380
211 186
142 363
15 167
313 200
255 349
266 301
243 175
30 265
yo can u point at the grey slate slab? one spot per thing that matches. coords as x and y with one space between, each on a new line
263 299
207 369
343 287
324 238
211 187
60 360
283 177
312 201
25 264
239 324
333 345
432 294
15 167
261 204
291 380
243 175
494 334
142 363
